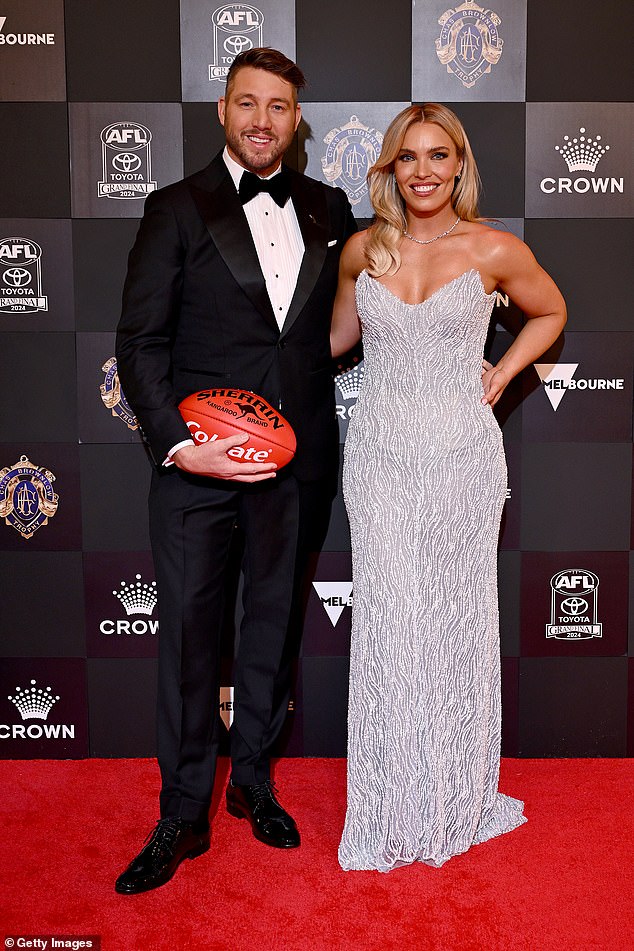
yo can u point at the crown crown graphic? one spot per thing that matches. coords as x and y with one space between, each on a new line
582 153
137 597
350 382
33 703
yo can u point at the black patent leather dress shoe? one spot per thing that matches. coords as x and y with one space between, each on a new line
270 823
171 841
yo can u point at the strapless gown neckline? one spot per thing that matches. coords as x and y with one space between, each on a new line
463 276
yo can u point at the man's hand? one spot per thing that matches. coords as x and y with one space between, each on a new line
211 460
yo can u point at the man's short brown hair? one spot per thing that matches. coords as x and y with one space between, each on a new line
263 57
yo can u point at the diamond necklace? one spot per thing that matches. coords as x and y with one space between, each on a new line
438 236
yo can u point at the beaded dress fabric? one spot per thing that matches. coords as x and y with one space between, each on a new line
424 483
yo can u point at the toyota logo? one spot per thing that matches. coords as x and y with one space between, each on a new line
126 162
16 277
574 606
237 44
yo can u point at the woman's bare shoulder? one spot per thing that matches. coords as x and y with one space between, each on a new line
491 234
353 258
494 247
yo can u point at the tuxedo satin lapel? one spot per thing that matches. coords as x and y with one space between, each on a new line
225 220
312 215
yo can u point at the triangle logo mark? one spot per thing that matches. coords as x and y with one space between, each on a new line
556 378
226 706
334 596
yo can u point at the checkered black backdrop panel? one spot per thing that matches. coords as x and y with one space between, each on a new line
101 103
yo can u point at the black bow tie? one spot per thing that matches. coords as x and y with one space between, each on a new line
278 187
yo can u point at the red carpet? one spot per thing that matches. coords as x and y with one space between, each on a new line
562 881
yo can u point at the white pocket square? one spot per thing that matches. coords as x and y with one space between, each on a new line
331 244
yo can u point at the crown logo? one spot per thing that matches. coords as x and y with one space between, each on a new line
137 597
349 383
582 153
33 703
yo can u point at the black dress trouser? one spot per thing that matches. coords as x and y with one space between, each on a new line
192 520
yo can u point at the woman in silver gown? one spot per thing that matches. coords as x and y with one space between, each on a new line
424 484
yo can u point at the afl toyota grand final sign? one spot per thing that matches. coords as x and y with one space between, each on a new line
213 34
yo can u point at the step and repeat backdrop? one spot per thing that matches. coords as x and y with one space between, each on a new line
102 103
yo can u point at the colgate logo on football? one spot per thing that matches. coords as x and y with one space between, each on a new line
220 413
250 454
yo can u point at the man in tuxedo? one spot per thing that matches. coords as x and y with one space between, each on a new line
230 283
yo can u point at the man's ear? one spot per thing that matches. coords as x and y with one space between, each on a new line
221 110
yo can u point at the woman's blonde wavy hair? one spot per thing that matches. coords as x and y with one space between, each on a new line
381 249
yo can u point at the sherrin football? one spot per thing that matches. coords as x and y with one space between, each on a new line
218 413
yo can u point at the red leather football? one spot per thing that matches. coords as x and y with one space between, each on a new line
218 413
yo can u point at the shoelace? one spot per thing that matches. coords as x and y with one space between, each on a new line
265 791
164 835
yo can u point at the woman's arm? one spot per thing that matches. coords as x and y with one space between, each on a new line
345 331
513 266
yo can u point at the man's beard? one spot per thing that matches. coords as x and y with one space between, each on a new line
252 159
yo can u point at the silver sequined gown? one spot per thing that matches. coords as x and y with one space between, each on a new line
424 484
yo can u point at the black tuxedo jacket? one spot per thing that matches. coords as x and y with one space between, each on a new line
196 312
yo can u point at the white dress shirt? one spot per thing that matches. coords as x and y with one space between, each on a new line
280 248
278 242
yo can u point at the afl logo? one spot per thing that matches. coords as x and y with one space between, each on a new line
20 251
577 581
125 135
127 163
237 27
573 611
21 276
